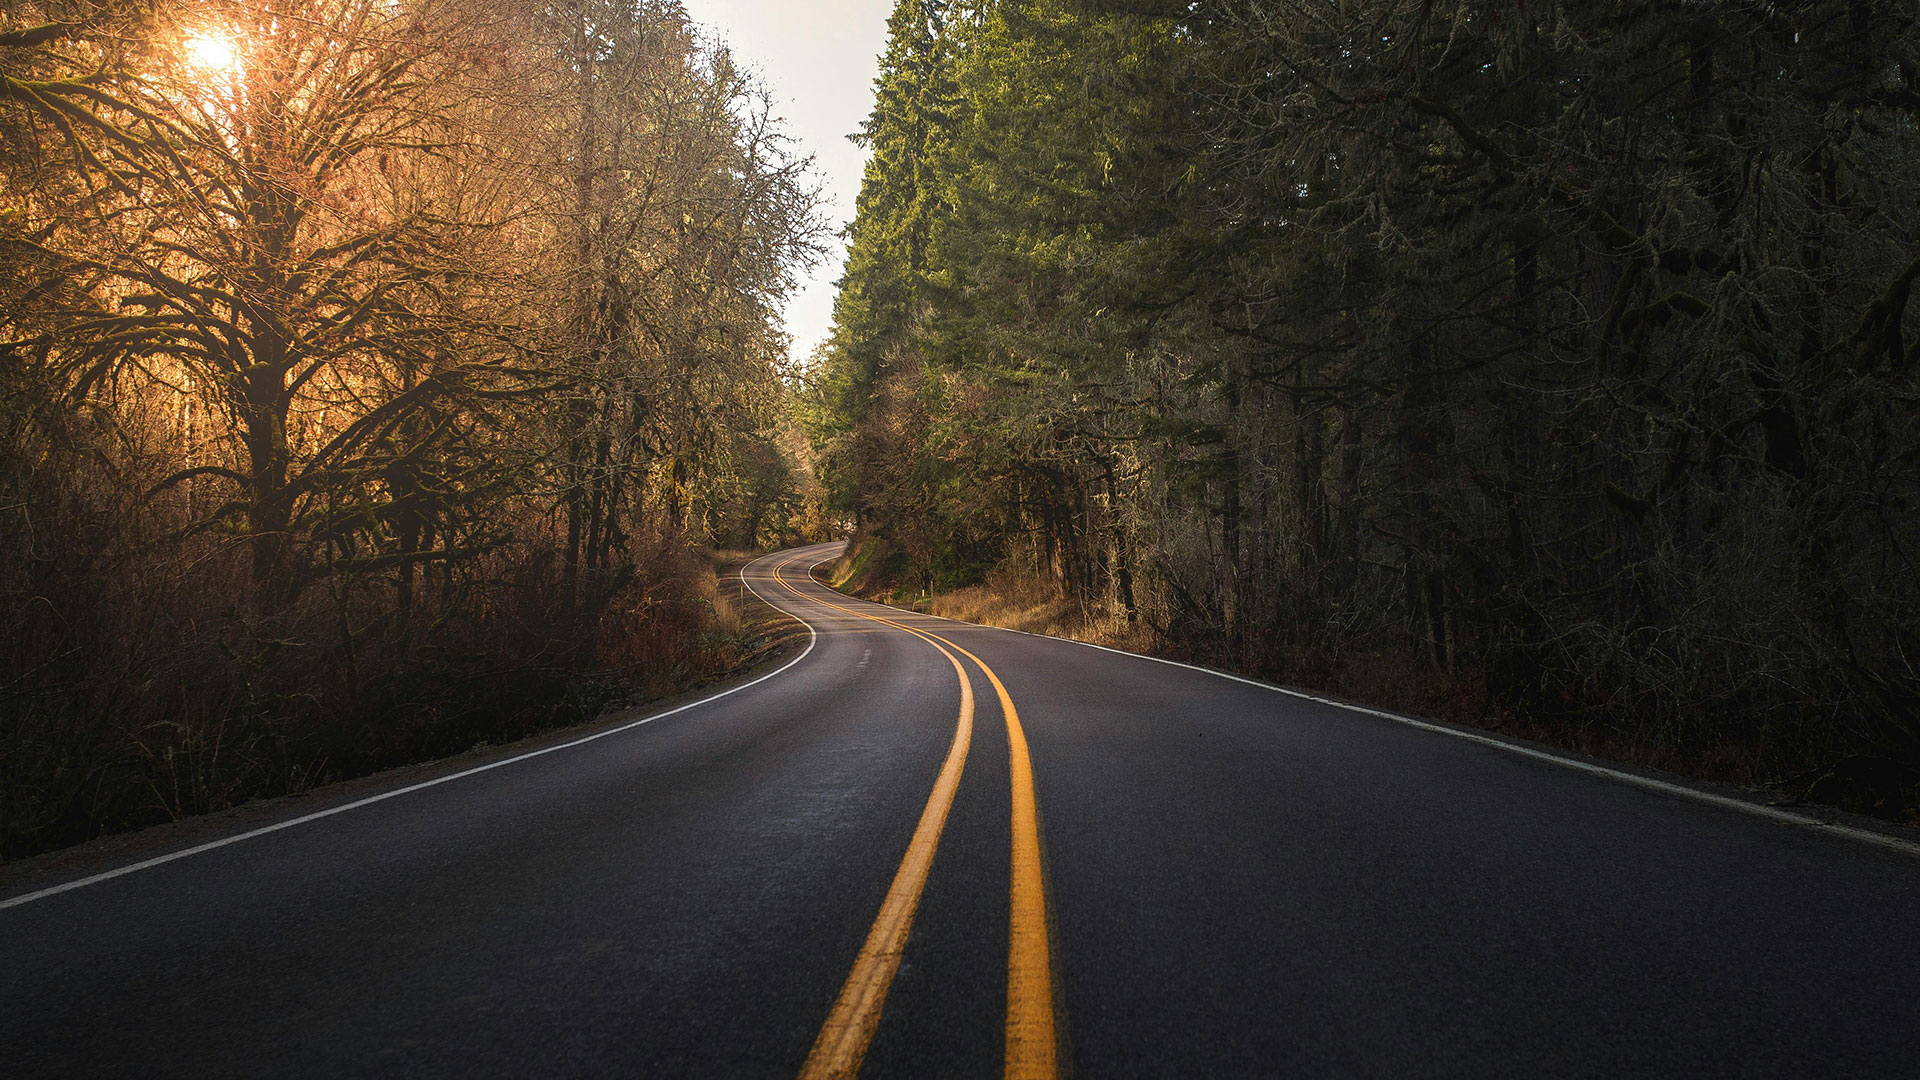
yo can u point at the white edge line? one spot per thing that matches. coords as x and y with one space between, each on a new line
1865 836
813 638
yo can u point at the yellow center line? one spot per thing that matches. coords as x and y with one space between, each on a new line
843 1039
1032 1041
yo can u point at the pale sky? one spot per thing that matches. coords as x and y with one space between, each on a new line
818 58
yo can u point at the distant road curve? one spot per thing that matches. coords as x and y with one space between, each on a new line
925 848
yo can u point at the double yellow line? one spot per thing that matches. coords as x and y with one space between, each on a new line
1031 1051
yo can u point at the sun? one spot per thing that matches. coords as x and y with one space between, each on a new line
210 52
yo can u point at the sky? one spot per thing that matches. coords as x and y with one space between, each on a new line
818 58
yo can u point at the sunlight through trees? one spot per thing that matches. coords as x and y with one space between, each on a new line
343 339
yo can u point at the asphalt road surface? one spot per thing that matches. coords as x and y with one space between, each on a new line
930 849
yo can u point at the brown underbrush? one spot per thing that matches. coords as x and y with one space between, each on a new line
136 691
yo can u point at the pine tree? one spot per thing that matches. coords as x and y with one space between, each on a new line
867 374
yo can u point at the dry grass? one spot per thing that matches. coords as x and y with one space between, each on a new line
1022 598
760 628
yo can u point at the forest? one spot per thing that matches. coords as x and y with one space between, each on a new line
375 376
379 378
1536 365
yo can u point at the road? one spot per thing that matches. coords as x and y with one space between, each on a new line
930 849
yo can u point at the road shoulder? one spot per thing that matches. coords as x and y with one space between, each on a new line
776 639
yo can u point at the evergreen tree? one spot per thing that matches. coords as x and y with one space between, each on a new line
867 381
1493 348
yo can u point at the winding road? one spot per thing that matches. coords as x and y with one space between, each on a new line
924 848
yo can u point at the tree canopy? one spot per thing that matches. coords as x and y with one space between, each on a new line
357 356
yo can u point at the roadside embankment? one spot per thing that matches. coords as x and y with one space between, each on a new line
224 712
1019 596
